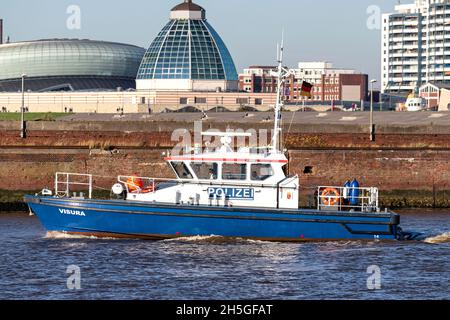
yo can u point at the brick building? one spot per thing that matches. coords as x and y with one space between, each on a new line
432 93
329 84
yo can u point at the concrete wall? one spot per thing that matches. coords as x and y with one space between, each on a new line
79 102
351 93
132 102
444 101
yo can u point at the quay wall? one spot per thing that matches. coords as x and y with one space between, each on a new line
400 160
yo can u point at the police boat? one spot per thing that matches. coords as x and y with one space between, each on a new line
223 192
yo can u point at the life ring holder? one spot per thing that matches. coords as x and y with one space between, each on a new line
330 197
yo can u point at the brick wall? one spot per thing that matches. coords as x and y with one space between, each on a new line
385 169
397 161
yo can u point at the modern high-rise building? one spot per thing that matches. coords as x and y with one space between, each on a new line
415 46
187 55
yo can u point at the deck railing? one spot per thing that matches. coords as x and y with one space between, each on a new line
64 182
347 199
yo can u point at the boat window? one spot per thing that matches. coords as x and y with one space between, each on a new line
261 172
205 171
182 170
234 171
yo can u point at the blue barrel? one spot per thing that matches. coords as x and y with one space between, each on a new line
346 192
354 193
347 186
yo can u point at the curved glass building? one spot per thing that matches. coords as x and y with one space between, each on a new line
69 64
188 54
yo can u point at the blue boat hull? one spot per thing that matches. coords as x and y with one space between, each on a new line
118 218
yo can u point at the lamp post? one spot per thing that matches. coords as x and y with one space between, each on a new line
381 101
372 125
22 126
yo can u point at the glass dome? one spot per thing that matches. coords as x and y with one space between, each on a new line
71 64
69 57
188 47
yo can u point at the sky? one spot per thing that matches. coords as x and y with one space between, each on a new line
315 30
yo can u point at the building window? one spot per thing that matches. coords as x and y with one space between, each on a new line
183 100
242 101
258 102
142 100
200 100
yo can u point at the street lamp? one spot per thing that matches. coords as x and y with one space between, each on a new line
22 127
372 125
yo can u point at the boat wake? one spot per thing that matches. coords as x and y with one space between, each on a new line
442 238
213 239
63 235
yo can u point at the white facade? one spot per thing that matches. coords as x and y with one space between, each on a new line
307 71
186 85
132 101
312 71
259 71
188 15
444 101
415 45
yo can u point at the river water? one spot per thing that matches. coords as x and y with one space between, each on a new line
34 265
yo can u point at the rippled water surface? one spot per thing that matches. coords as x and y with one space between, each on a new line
33 265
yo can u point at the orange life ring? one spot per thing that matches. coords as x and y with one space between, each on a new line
330 196
149 189
134 184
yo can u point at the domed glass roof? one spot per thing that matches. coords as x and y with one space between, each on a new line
188 48
69 57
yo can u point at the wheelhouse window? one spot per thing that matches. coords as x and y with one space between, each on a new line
205 171
234 171
261 172
181 170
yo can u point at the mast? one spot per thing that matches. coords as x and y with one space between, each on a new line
281 74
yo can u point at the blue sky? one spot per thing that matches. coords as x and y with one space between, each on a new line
315 30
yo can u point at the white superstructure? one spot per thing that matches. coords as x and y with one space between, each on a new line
415 45
221 178
415 104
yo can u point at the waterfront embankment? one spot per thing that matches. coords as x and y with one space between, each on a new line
409 161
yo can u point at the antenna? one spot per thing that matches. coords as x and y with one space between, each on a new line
1 31
282 47
278 52
281 74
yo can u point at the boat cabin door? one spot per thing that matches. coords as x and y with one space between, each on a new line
288 193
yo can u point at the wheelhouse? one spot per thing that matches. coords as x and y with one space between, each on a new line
250 170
